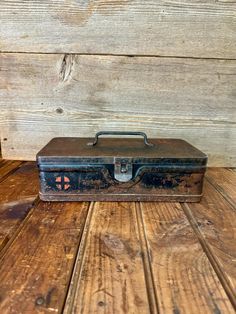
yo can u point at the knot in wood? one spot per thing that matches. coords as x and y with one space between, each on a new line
113 242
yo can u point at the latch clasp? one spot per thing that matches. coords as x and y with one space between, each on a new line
123 169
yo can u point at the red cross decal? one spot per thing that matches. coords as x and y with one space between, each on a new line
62 182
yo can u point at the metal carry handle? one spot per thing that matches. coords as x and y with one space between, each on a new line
120 133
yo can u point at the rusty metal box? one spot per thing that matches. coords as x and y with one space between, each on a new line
120 169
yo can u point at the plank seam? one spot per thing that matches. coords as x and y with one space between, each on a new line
212 259
115 55
146 259
20 228
221 191
76 272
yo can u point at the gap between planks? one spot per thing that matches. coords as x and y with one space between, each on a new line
74 280
116 55
210 255
149 277
146 256
81 246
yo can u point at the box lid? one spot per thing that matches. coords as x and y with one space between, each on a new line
66 149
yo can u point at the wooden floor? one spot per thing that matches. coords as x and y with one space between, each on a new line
116 257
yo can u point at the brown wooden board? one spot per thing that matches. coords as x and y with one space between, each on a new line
183 277
17 195
118 257
214 222
109 274
74 95
199 28
36 268
7 167
223 180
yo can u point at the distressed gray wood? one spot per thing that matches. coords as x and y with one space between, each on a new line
196 28
43 96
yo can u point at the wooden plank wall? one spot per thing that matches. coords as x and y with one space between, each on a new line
71 68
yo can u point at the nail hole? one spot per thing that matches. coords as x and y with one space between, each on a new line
101 303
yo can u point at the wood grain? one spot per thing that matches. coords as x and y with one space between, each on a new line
109 275
17 195
44 96
36 268
172 28
214 221
180 268
7 167
224 180
119 257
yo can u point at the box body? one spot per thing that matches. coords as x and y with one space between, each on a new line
120 169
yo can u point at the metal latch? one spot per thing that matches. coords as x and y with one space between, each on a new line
123 169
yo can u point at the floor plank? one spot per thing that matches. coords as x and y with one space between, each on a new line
184 279
7 167
36 267
17 194
214 221
109 275
125 257
224 180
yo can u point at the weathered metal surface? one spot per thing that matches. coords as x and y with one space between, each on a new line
121 169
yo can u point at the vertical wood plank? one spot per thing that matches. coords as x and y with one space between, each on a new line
36 268
109 275
214 222
183 276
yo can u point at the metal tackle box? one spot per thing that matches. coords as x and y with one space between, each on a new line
120 169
